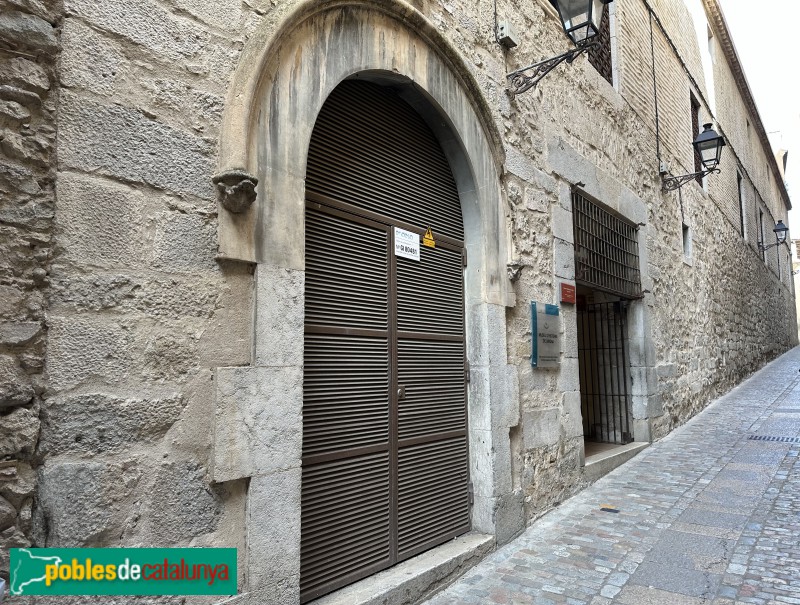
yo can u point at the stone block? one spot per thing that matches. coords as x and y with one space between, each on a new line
541 428
259 426
279 242
571 166
161 297
229 338
569 378
632 208
80 350
565 195
569 330
509 516
643 380
16 333
8 514
24 74
145 23
273 527
10 537
11 301
521 165
101 223
563 259
33 215
667 370
641 429
82 501
477 336
13 111
647 406
182 505
496 334
17 482
279 316
15 386
19 430
222 14
637 352
89 60
504 397
572 418
481 457
101 423
479 396
562 224
28 31
483 517
502 464
608 191
125 144
184 242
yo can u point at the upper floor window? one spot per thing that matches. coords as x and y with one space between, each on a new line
741 202
698 164
600 57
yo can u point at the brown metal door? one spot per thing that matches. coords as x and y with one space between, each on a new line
385 472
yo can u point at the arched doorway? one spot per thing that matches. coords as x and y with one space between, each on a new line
385 455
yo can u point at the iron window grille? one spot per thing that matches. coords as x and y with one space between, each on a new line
600 56
606 249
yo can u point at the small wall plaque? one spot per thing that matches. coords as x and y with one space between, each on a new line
568 293
545 336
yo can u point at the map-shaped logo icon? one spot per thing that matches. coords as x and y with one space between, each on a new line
28 569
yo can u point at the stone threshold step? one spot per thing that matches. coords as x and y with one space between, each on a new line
412 581
604 462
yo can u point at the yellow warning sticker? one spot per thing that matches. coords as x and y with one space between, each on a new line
427 239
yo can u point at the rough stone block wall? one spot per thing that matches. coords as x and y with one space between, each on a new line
28 108
140 309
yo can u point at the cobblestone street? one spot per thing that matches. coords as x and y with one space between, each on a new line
710 514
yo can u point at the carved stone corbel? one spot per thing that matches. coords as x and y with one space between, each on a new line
236 190
514 269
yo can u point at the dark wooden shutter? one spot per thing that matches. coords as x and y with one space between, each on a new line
385 459
371 150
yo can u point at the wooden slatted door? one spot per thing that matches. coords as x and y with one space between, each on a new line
433 502
385 459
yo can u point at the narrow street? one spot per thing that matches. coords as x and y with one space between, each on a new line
708 515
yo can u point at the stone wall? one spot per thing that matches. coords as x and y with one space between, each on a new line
28 108
140 310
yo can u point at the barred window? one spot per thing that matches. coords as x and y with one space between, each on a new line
600 57
606 249
698 164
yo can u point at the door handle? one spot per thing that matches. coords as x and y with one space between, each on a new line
401 392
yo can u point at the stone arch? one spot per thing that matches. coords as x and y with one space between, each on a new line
285 75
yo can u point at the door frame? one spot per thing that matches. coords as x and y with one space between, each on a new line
266 130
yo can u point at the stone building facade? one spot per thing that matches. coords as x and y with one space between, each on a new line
152 315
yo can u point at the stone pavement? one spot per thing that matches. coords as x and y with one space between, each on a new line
708 515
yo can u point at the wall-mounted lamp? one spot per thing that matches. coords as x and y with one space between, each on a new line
780 231
709 145
581 20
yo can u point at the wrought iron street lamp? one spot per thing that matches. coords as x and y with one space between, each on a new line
708 145
780 231
581 21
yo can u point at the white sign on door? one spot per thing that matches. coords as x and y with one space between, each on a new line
406 244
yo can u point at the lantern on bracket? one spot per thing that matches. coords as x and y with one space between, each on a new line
581 22
708 145
581 18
